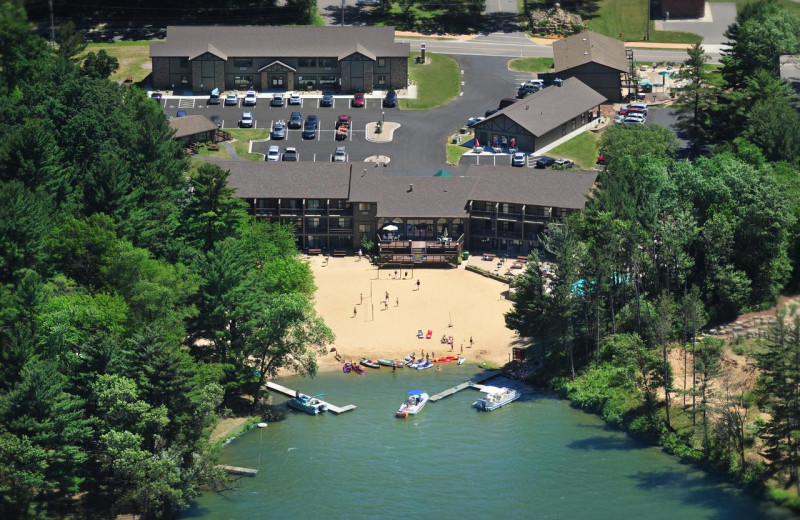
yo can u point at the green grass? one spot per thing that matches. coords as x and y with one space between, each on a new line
438 82
530 64
131 56
222 152
454 153
441 19
582 149
242 137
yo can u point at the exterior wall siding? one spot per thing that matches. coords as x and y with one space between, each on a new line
160 74
398 76
600 78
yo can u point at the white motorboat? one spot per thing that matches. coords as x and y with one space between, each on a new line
308 404
416 401
493 397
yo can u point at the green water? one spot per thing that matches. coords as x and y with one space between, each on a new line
535 458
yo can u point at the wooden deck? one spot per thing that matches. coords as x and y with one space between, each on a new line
480 378
291 393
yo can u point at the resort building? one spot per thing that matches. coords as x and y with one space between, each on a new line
541 119
342 59
427 219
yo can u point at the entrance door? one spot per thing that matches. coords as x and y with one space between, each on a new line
278 81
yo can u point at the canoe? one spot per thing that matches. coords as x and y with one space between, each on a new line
386 362
369 363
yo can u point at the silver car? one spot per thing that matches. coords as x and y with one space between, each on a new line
340 155
273 154
247 120
519 159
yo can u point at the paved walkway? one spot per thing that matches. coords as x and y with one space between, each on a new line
231 151
712 28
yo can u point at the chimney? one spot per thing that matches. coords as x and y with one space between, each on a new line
410 187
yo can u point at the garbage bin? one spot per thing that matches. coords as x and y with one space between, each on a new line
465 255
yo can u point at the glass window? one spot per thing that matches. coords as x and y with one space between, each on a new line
327 62
327 80
184 62
243 81
306 62
381 62
573 123
364 206
242 63
312 204
365 228
381 80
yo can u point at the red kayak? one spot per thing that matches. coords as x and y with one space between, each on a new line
358 369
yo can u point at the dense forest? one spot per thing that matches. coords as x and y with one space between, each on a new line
668 247
138 301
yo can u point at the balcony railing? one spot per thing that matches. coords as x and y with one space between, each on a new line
341 230
483 232
341 212
315 211
481 213
266 212
291 211
509 234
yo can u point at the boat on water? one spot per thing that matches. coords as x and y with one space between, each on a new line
416 364
358 369
424 365
493 397
399 364
370 363
413 404
409 358
386 362
461 360
347 368
308 403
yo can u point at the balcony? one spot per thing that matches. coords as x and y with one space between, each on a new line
509 234
481 213
483 232
316 230
340 212
509 216
291 211
265 212
315 211
341 231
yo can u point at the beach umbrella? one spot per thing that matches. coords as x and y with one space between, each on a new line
390 227
664 75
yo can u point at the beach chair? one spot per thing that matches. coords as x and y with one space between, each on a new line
420 335
429 335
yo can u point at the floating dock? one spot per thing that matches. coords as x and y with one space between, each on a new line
480 378
291 393
240 471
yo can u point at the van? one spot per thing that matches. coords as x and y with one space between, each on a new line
214 98
506 102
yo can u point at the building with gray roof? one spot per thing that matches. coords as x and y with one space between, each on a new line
335 205
600 62
193 129
541 118
343 59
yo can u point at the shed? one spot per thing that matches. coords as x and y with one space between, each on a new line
193 129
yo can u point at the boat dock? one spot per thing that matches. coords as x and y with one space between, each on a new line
480 378
291 393
240 471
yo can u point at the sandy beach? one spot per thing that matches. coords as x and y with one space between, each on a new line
451 302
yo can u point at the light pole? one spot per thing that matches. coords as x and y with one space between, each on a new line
383 117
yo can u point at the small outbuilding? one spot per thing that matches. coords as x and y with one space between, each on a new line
193 129
542 118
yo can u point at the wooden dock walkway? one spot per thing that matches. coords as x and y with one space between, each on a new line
236 470
291 393
480 378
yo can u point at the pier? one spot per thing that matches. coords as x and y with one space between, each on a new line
480 378
291 393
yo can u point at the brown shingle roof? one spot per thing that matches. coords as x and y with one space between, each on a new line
286 41
589 46
288 179
430 196
550 107
549 188
191 125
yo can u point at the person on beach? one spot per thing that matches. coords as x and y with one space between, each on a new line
462 347
362 298
397 302
470 342
395 274
355 312
418 284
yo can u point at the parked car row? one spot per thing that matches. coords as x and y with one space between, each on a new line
290 154
545 161
530 87
633 114
251 99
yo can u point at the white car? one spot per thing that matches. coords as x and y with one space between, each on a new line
250 98
634 119
294 99
340 155
474 120
533 83
247 120
564 163
618 120
273 154
519 159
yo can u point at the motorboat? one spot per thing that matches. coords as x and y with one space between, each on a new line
358 369
409 358
461 360
423 365
386 362
370 363
413 404
347 368
309 404
493 397
417 363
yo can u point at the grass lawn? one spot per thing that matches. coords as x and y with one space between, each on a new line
530 64
131 57
438 82
582 149
221 151
786 4
243 137
454 153
430 19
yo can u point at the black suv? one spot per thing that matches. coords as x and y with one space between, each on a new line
545 161
391 99
310 128
295 120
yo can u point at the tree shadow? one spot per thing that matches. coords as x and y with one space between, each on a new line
604 444
586 8
500 22
353 15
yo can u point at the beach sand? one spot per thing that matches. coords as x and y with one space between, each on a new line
473 304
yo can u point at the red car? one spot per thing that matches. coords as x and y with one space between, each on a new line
358 100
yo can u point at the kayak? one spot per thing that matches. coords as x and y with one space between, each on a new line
357 369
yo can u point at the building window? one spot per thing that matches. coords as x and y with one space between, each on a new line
312 224
573 123
242 63
243 81
327 80
184 80
306 62
327 63
364 206
381 62
312 204
583 118
184 62
306 81
564 129
381 79
365 229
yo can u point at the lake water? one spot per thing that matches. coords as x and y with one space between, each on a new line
535 458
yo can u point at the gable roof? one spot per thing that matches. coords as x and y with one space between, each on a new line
429 197
263 180
279 41
548 188
190 125
586 47
550 107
